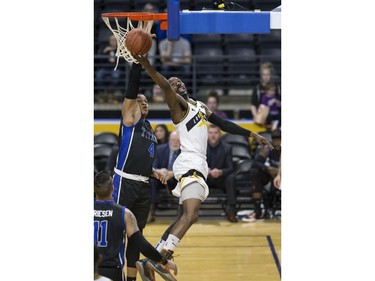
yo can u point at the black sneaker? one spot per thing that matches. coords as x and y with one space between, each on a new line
145 273
163 273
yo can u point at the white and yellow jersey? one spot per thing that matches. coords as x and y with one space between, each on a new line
193 133
192 130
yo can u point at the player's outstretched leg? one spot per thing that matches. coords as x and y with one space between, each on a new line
189 217
147 273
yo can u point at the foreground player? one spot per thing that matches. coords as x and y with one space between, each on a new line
134 161
112 222
190 168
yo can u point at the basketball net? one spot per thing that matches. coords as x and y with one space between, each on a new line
120 33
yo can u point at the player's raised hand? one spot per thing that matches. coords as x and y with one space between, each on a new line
261 140
142 59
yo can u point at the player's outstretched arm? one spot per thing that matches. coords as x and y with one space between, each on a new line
143 245
234 129
170 95
130 109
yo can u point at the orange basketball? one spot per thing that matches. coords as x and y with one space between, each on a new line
138 41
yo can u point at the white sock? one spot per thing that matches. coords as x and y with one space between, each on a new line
160 245
171 242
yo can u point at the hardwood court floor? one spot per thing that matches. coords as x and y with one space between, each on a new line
219 250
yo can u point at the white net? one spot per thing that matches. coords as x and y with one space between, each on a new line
120 33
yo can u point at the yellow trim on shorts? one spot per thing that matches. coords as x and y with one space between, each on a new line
192 176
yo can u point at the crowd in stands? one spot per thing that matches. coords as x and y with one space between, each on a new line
227 155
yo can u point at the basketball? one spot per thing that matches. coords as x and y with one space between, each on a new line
138 41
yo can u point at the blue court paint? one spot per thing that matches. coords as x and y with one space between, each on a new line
274 254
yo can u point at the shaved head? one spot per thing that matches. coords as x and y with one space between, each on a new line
178 86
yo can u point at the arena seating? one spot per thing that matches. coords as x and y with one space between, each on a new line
227 62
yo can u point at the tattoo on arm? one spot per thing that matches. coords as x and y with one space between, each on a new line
133 220
131 223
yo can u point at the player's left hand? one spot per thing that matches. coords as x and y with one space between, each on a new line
261 140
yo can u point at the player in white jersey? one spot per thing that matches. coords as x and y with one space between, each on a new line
190 168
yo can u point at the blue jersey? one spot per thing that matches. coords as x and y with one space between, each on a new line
137 151
109 232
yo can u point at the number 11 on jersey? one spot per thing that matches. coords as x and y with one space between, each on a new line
100 233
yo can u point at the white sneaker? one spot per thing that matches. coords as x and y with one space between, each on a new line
249 219
245 213
252 218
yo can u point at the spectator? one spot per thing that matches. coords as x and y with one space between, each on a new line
213 104
175 57
157 94
266 77
277 179
162 133
166 154
220 169
108 64
150 8
269 111
264 169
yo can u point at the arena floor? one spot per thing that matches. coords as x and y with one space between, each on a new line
217 250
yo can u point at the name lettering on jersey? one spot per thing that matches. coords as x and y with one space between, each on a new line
148 135
199 118
103 214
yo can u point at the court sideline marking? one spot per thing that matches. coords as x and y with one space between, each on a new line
274 254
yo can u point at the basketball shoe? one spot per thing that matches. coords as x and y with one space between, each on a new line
159 269
145 273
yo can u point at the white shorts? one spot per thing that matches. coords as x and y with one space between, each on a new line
187 161
192 190
186 182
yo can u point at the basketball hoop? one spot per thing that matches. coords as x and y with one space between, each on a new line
145 21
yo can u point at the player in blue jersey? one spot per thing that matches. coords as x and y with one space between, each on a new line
134 161
112 224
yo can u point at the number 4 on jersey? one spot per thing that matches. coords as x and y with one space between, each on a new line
151 149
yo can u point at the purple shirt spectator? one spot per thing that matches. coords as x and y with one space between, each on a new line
273 103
